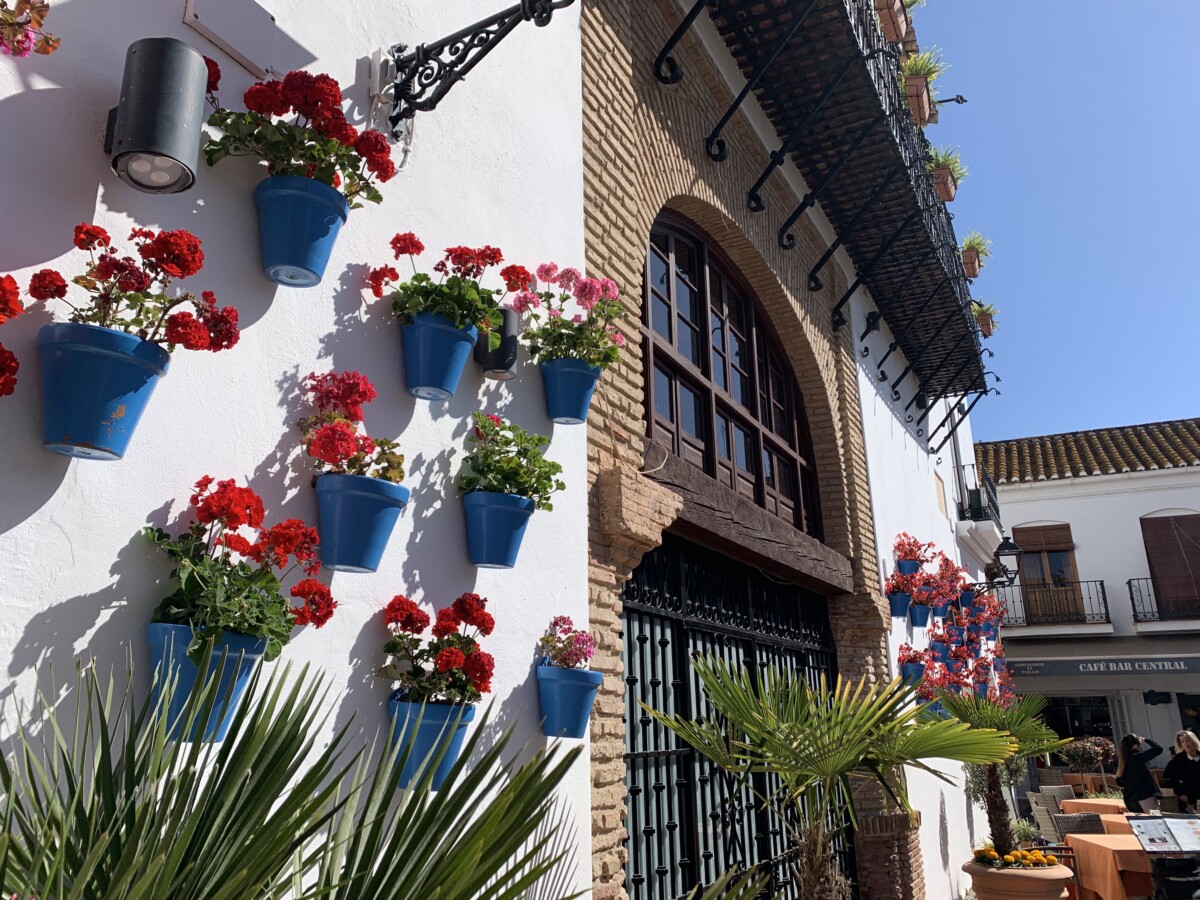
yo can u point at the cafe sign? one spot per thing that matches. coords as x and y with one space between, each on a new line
1120 665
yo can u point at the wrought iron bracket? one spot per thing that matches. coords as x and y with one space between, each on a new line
873 319
920 353
666 69
966 415
838 319
814 281
424 76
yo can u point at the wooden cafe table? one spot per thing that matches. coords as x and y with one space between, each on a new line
1116 824
1095 783
1111 866
1100 805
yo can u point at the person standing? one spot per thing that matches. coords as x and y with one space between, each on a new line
1133 773
1182 774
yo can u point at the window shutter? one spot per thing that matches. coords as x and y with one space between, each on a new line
1036 538
1173 551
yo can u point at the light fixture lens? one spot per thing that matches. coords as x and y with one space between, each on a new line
151 172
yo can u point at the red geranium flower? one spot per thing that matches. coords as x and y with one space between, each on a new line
214 75
89 237
407 244
346 392
466 262
449 659
238 544
46 284
334 443
9 365
175 253
229 504
291 537
472 609
221 324
495 418
516 278
447 623
10 299
377 278
405 615
186 330
318 603
266 98
479 668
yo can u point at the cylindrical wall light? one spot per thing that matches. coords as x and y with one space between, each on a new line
154 133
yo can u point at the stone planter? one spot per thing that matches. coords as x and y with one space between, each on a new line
1018 884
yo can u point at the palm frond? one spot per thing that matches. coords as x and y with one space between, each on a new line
1022 719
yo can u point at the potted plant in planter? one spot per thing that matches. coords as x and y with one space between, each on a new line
319 167
910 553
440 320
1005 871
440 681
899 589
957 658
981 676
1089 754
920 71
575 341
985 317
975 249
947 170
939 644
504 479
948 582
99 368
912 662
566 687
359 495
893 19
923 598
230 595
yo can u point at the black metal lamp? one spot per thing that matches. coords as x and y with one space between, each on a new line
154 133
1008 558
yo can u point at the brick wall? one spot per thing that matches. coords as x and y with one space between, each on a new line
643 153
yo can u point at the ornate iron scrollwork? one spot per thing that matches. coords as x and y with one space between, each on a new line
424 76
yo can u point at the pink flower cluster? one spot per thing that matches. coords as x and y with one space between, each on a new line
586 291
565 646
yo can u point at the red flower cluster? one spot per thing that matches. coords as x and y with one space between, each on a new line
318 603
310 94
214 75
215 329
495 420
9 365
405 615
127 271
407 244
516 278
345 393
908 547
334 443
230 505
373 147
46 284
479 668
10 299
266 98
472 610
377 279
906 654
449 659
176 254
466 262
291 537
89 237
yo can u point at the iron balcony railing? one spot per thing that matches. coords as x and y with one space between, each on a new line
1066 603
1151 604
977 496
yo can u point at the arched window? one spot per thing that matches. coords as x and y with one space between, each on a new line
719 390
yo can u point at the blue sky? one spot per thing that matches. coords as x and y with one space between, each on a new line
1082 139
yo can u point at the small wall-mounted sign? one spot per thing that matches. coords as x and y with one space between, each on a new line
1128 665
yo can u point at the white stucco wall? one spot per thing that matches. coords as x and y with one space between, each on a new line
904 497
499 162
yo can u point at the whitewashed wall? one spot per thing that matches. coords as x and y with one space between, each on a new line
904 497
499 162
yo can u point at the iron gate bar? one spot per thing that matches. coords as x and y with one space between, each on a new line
753 198
714 145
922 389
787 240
814 282
838 319
899 378
423 78
970 406
666 70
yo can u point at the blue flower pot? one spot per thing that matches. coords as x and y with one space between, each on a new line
428 727
919 615
936 708
435 353
356 517
168 656
991 630
955 666
940 650
956 633
908 566
298 222
974 631
940 609
899 604
565 697
569 385
981 691
966 598
970 609
495 527
96 383
954 688
999 663
912 672
974 649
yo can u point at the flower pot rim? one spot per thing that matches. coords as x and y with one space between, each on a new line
397 696
571 362
562 673
346 482
141 349
437 320
226 635
1039 873
521 499
299 184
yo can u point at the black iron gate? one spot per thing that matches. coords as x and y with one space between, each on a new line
688 821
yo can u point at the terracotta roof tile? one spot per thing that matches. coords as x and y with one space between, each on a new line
1103 451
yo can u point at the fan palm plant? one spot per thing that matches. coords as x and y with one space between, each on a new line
1020 718
818 742
98 804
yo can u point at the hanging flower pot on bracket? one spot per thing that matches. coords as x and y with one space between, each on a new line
893 17
944 183
298 223
435 353
425 729
569 385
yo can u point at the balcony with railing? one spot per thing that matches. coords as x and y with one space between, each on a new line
1066 603
1164 600
977 496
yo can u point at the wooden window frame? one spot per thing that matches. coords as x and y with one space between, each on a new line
775 427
